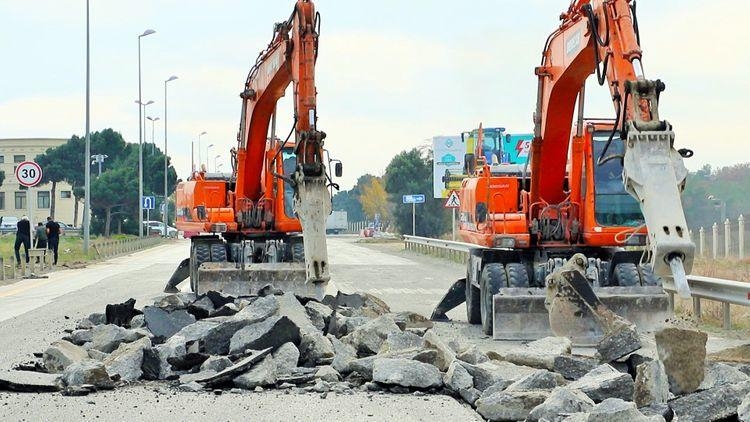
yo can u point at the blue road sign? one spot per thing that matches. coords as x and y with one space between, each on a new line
414 199
148 202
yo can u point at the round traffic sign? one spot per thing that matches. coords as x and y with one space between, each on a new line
29 173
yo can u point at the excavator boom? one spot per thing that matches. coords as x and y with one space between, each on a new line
277 189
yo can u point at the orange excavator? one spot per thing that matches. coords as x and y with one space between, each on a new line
265 222
594 220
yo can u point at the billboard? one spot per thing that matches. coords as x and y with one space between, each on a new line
448 153
517 147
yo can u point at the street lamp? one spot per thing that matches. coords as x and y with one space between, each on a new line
719 204
153 142
166 193
216 168
140 137
199 149
208 163
99 158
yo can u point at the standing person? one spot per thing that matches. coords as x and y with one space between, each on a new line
40 238
23 231
53 237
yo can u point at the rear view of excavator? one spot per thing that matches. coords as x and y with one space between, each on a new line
594 221
265 222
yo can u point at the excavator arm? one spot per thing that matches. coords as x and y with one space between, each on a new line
602 36
288 59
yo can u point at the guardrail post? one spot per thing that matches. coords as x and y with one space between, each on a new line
702 242
697 307
727 316
741 236
727 237
715 245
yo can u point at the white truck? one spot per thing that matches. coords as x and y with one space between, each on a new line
336 222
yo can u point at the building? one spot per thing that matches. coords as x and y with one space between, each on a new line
13 196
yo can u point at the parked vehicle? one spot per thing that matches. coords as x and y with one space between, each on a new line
67 229
8 224
336 222
157 228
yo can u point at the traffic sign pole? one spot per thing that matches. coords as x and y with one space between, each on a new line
453 225
30 214
413 218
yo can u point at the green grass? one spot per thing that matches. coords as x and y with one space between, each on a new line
70 249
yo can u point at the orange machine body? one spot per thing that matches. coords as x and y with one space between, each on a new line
496 211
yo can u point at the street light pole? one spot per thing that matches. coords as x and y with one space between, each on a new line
140 136
166 193
87 177
199 149
153 140
216 168
208 163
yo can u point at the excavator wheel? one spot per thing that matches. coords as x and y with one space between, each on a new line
648 278
518 276
218 252
493 278
201 252
472 303
626 275
298 252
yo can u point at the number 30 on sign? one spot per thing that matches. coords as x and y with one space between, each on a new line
29 173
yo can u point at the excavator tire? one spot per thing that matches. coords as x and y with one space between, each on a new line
626 275
518 276
648 278
493 278
298 252
218 252
472 303
201 253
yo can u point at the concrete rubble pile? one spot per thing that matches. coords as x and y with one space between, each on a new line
353 342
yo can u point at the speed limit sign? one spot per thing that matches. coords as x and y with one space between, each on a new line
29 173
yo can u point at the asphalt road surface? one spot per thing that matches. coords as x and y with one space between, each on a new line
33 313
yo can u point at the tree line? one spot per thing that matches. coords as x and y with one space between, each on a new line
409 172
114 192
710 193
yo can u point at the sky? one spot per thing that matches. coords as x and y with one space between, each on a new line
391 74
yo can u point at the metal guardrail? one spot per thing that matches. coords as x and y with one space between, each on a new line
455 251
728 292
111 248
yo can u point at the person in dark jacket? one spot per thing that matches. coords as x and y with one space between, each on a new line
53 237
40 238
23 237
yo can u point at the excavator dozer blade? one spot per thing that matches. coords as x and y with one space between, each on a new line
520 313
231 279
181 273
455 296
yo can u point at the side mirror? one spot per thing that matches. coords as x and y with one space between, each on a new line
338 169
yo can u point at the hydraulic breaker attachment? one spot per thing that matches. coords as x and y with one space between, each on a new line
312 203
455 296
570 299
654 173
181 273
